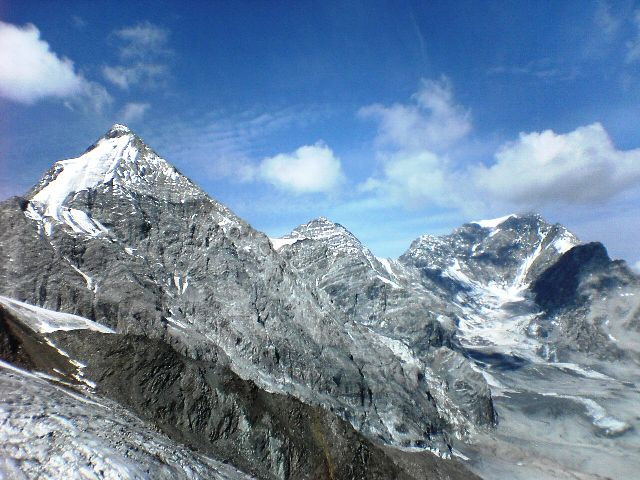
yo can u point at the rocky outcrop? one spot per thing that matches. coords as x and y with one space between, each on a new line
201 404
207 406
567 282
589 303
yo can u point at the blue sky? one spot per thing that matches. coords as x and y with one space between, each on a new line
393 118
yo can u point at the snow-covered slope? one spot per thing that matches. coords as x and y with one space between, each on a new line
47 321
119 162
48 430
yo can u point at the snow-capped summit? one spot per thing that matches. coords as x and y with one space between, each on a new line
509 249
117 130
119 163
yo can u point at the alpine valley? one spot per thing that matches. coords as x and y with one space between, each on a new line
148 332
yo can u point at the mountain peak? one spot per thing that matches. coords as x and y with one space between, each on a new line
118 130
321 227
118 164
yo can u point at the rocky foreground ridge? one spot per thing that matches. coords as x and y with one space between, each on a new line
299 357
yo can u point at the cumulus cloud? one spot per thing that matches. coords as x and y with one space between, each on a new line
413 178
30 71
541 168
412 143
133 111
310 169
431 121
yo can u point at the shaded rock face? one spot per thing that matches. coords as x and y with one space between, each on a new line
207 406
200 404
24 348
119 236
563 284
590 305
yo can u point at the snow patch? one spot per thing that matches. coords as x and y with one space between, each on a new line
45 321
74 175
494 222
278 243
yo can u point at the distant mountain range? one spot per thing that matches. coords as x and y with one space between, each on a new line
148 332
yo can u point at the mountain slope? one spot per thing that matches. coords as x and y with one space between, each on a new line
122 238
391 302
524 305
202 405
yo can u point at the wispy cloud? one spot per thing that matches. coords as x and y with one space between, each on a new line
229 145
30 71
133 111
78 22
143 40
143 51
546 69
604 19
125 76
633 45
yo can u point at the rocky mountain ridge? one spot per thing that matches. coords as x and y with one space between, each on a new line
408 354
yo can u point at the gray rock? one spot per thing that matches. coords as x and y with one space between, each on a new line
119 236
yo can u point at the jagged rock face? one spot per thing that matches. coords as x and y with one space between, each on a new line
205 405
378 293
200 404
511 251
49 432
119 236
390 301
54 426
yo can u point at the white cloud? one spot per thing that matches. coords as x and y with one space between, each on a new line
30 71
432 121
310 169
413 179
230 145
542 168
636 267
133 111
124 76
142 40
633 46
412 140
539 169
143 51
